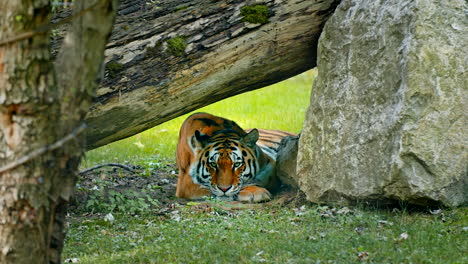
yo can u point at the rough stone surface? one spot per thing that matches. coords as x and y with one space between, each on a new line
388 119
286 161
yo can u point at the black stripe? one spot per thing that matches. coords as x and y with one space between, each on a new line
199 165
226 132
269 135
250 151
273 133
208 121
253 163
271 138
218 144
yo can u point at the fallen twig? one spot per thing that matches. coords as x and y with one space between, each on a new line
107 164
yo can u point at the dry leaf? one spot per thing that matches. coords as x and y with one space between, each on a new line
384 223
139 144
344 210
363 256
71 260
435 212
109 218
404 236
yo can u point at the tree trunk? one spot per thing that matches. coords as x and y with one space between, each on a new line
39 143
168 58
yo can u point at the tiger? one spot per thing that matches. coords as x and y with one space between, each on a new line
216 157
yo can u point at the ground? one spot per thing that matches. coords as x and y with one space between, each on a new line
134 217
112 188
158 184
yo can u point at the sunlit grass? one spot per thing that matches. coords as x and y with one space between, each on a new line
279 106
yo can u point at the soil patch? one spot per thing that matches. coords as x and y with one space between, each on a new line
115 189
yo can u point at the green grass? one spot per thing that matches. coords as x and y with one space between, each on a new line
271 235
279 106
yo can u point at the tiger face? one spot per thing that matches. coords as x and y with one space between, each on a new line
226 162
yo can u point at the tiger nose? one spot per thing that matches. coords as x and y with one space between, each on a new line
224 189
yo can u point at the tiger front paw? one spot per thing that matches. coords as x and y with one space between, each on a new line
254 194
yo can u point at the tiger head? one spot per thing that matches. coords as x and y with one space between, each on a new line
226 161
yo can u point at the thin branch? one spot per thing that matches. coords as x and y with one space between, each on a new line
47 27
107 164
36 153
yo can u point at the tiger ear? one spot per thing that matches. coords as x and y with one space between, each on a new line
251 138
201 140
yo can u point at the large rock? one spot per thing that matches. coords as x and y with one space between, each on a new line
387 117
286 161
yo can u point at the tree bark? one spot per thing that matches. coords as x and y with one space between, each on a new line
168 58
39 117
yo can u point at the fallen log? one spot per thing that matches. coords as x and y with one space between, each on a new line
167 58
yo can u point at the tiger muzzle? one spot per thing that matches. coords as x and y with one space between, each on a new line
224 188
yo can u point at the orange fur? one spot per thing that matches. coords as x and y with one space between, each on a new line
185 186
224 176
